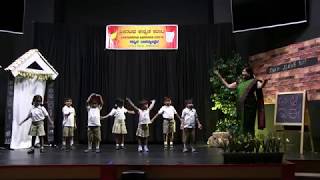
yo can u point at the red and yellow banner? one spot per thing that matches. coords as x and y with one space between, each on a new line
141 37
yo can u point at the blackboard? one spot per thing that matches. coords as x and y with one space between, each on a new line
290 108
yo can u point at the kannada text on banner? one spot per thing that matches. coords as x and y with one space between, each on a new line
141 37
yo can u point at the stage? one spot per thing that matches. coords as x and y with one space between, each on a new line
207 163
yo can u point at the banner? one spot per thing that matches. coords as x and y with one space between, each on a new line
141 37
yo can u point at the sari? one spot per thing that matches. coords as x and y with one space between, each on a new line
249 101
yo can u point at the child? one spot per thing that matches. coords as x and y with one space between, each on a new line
68 123
38 114
144 121
119 126
169 125
189 119
94 106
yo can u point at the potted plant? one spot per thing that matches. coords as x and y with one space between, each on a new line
247 149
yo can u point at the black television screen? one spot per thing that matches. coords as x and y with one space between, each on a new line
258 14
11 16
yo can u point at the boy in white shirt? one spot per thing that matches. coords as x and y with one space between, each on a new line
68 124
38 114
169 124
144 120
189 119
119 125
94 106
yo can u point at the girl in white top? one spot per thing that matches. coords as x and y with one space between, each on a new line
169 124
144 121
189 119
38 114
68 124
119 126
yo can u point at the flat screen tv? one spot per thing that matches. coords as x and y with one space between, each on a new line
11 16
259 14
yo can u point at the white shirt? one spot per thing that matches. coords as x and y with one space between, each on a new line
118 113
68 116
94 116
38 113
144 117
167 112
189 117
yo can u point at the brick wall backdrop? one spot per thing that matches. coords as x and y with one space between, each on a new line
291 68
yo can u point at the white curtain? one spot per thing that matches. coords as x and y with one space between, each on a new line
24 90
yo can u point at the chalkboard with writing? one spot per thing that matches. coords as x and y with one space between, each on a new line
290 108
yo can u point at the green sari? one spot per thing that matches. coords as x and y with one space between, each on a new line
250 99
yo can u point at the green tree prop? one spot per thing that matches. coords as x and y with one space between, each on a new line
224 99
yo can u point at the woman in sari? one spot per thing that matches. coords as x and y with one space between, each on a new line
249 100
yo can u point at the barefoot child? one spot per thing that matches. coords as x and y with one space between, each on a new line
119 126
144 121
38 114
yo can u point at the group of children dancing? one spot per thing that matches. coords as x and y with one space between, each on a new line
189 122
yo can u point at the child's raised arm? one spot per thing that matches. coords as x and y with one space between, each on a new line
152 104
101 100
131 104
92 94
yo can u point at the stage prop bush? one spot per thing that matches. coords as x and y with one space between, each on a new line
224 99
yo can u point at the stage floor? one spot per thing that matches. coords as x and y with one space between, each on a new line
128 156
109 155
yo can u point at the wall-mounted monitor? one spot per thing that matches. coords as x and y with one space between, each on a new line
259 14
11 16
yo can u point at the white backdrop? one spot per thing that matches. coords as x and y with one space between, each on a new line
24 90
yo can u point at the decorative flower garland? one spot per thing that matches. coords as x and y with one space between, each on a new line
29 75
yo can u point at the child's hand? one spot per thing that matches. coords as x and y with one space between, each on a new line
23 122
200 126
181 126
